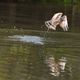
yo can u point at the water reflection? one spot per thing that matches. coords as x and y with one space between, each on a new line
28 39
56 67
23 59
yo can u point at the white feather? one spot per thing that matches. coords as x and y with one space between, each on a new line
64 23
56 20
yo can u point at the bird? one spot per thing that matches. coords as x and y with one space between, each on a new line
57 19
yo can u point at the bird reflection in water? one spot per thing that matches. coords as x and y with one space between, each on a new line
56 67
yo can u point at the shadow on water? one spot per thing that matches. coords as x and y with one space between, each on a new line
33 56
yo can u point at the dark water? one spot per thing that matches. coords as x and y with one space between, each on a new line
29 55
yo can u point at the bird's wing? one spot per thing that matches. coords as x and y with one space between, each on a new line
56 18
64 23
49 25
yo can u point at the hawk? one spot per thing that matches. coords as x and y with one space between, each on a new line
57 19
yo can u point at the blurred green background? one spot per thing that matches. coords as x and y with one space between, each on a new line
31 14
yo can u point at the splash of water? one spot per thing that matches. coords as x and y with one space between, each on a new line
27 38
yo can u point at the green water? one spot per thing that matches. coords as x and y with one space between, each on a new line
23 55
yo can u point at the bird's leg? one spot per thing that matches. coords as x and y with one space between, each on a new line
47 30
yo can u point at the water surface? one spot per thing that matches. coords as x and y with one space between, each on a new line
36 55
